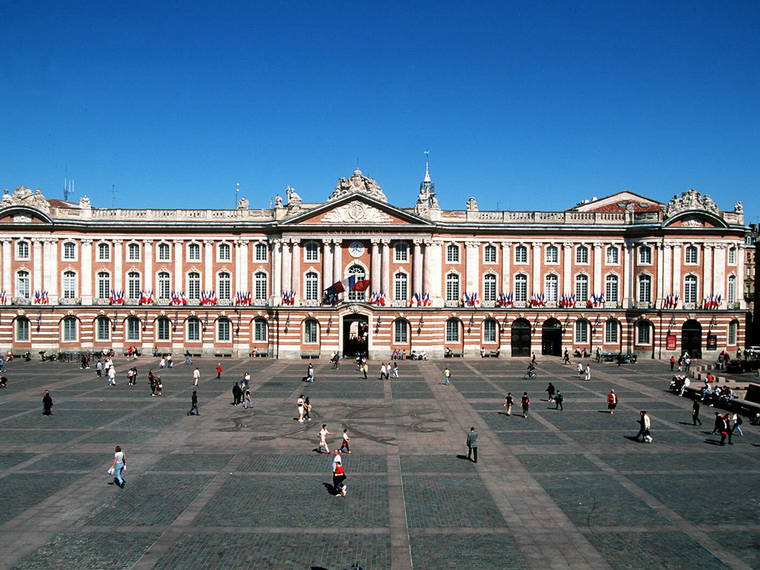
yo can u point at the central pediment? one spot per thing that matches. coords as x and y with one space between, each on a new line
356 210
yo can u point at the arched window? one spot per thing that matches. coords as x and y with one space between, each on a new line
645 289
733 329
164 285
521 254
645 255
194 252
223 330
261 251
643 332
452 287
194 285
259 330
489 287
581 288
452 253
193 328
22 250
611 329
225 252
452 330
357 270
731 290
581 331
163 252
400 331
312 251
581 254
69 283
102 329
732 256
22 329
489 330
224 286
690 289
521 287
22 284
104 252
691 255
133 252
133 285
104 284
551 288
163 329
133 328
489 254
400 251
552 254
260 286
613 255
69 329
611 288
312 286
310 331
69 251
400 286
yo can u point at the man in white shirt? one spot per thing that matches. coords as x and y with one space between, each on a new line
196 376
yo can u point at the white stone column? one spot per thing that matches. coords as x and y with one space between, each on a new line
296 267
627 274
375 271
659 294
338 260
118 265
276 271
179 279
471 267
327 264
567 272
417 267
208 265
7 279
598 285
148 274
740 271
51 278
536 287
707 270
85 258
506 261
241 265
719 285
667 270
427 270
385 280
37 265
677 249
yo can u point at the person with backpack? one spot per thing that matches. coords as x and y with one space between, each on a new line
558 399
525 404
339 476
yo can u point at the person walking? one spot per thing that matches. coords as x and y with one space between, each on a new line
525 404
218 370
579 368
509 401
383 372
695 414
725 430
612 401
566 357
645 426
152 382
736 423
339 476
472 445
247 403
307 409
169 361
588 372
47 404
162 362
159 386
394 369
550 389
364 368
112 376
118 466
300 408
196 376
236 394
323 433
246 380
558 399
194 405
446 375
344 445
672 362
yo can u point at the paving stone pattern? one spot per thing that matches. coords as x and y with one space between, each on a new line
235 488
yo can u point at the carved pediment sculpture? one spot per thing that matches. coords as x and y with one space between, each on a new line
294 199
23 196
690 200
358 183
356 213
472 204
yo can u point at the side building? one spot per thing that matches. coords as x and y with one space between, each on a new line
621 273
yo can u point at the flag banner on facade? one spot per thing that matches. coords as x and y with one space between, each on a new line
208 298
470 300
595 301
3 296
567 301
178 298
243 298
352 283
505 300
330 298
288 298
537 300
376 298
670 302
40 297
116 297
146 297
712 302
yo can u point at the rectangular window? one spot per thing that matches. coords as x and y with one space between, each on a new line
452 288
103 329
193 329
401 252
642 333
452 330
645 289
610 332
261 252
732 255
69 285
489 331
489 255
400 332
310 332
223 330
163 252
552 254
69 329
162 331
133 329
22 330
732 333
452 254
521 254
489 288
69 251
259 330
581 331
312 251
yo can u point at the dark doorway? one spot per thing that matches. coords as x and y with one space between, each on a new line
691 338
521 338
551 338
355 335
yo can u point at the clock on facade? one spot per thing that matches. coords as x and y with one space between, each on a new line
356 248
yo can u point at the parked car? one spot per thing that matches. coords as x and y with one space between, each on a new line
627 358
736 366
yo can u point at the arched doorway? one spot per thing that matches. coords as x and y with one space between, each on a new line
551 337
355 335
521 338
691 338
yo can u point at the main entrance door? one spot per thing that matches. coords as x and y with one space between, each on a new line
551 338
355 335
691 338
521 338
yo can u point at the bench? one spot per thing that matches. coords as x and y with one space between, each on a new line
258 354
310 354
745 407
454 354
223 354
493 353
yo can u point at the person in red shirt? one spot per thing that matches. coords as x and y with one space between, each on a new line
339 476
525 404
612 401
218 371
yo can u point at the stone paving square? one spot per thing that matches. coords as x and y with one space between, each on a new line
234 488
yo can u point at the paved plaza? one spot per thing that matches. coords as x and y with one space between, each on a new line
236 488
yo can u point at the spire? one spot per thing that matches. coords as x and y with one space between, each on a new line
426 199
427 167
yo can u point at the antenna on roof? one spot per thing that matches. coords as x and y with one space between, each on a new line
67 188
237 193
113 195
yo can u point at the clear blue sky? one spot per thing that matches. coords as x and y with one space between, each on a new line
530 105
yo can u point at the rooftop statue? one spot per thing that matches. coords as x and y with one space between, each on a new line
358 183
23 196
690 200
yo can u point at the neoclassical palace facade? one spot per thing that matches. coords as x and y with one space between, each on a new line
621 273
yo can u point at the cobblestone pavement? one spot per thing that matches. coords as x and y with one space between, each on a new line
235 488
